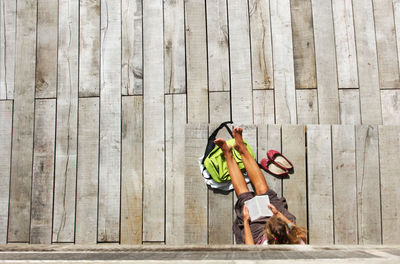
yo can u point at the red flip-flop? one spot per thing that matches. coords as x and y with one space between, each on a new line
280 160
270 167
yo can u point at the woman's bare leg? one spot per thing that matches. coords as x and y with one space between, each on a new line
253 171
236 174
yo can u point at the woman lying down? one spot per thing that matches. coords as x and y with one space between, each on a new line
280 228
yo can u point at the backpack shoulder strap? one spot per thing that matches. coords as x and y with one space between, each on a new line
210 144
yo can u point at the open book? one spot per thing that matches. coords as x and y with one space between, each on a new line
258 207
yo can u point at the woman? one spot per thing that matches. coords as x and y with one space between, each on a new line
278 229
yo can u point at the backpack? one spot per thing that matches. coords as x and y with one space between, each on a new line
214 160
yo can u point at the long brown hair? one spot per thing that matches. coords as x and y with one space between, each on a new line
278 232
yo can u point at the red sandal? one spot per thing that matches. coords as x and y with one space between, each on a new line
272 168
280 160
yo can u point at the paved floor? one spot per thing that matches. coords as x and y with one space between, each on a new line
191 254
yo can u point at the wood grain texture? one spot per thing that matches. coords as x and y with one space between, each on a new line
87 181
284 87
319 181
325 58
43 172
67 122
307 106
303 44
220 205
174 47
396 14
239 47
195 227
389 145
132 48
23 122
219 106
153 126
89 48
175 109
110 123
46 51
345 44
344 184
367 62
261 44
269 137
8 12
217 45
390 100
263 103
132 170
368 182
196 61
349 105
386 44
6 108
295 188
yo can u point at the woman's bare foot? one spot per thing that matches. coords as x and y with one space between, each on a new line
237 135
220 142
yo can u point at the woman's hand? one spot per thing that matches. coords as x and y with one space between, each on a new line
273 209
246 215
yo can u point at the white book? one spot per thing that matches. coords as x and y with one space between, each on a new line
258 207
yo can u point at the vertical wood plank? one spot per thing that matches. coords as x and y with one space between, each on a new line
368 182
153 130
320 203
89 47
43 172
325 58
174 47
110 123
6 108
303 44
389 145
386 44
23 121
8 12
239 46
175 109
67 121
219 106
349 102
390 107
132 68
195 227
367 62
132 170
196 61
269 137
344 184
294 189
345 44
46 53
261 46
88 171
284 87
217 45
307 106
396 14
263 103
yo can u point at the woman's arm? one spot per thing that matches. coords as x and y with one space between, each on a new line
248 237
280 215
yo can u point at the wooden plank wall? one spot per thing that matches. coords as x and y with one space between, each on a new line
95 96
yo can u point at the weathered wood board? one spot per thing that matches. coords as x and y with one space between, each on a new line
349 105
368 182
6 108
87 182
319 181
132 170
344 184
307 106
43 172
175 120
390 100
132 49
220 109
263 103
217 45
